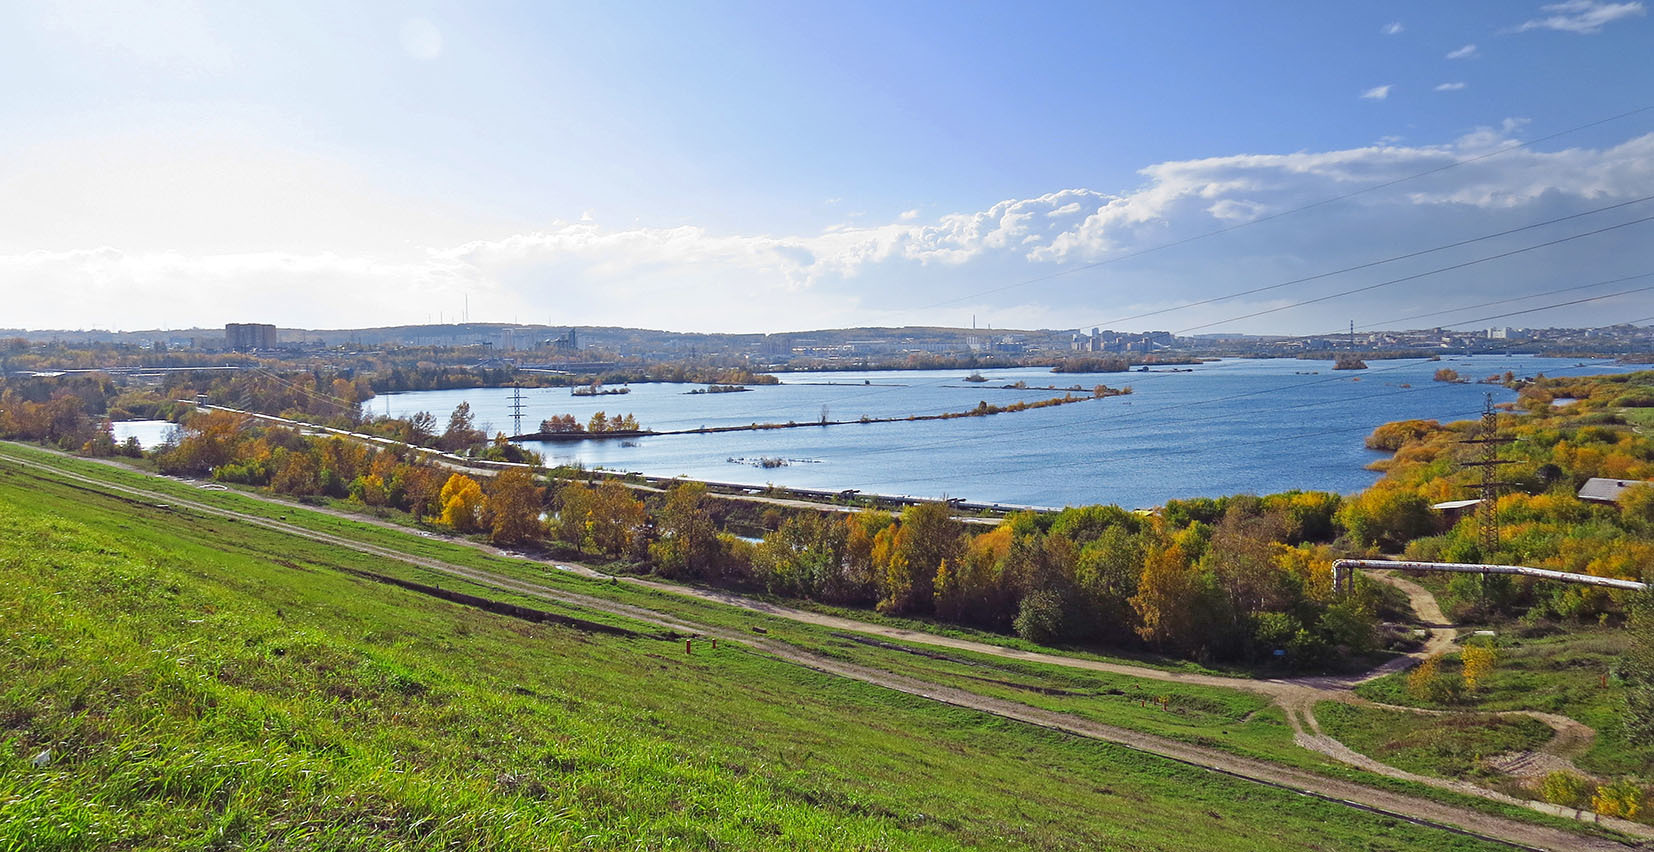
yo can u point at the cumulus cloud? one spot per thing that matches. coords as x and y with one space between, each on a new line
1466 52
1449 87
909 215
1582 17
1378 93
1392 28
897 272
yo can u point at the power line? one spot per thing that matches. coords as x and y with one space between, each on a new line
1416 276
1374 263
1322 203
1390 323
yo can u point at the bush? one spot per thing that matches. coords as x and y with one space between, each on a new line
1566 789
1426 682
1622 798
1041 617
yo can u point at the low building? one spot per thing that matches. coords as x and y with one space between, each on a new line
1600 490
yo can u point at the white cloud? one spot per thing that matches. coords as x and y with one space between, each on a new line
421 39
1392 28
1466 52
1378 93
1582 17
691 277
909 215
1449 87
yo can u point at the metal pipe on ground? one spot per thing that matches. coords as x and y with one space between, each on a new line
1342 570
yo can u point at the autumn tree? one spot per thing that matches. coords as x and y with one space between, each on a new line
575 501
1166 598
808 556
926 537
970 589
1107 571
688 543
861 532
208 441
616 518
515 506
1387 517
462 430
463 505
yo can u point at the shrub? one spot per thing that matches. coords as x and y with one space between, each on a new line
1477 661
1622 798
1426 682
1566 789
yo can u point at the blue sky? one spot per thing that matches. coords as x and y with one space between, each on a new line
772 166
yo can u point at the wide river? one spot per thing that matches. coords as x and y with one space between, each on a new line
1227 427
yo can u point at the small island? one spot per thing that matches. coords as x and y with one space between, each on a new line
1349 362
597 389
563 427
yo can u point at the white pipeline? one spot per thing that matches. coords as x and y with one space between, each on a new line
1342 568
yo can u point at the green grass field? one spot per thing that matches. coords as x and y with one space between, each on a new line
1566 672
1443 746
200 684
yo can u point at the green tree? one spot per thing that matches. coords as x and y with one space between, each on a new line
688 542
1637 669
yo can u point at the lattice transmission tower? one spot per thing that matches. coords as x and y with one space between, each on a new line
1487 511
516 409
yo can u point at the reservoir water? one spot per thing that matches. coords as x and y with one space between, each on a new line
150 433
1226 427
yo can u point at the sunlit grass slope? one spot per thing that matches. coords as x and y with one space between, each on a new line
194 686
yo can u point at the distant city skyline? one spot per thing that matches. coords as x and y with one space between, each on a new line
745 167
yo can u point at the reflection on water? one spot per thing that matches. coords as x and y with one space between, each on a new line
150 433
1233 426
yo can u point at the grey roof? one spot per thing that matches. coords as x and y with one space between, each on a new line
1455 504
1606 490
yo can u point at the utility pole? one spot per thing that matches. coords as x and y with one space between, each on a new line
516 409
1488 510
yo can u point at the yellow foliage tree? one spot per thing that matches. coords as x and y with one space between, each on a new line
1421 681
463 504
1477 663
1165 597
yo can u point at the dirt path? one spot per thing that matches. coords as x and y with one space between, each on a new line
1400 805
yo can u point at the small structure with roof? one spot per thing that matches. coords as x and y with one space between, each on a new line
1452 510
1600 490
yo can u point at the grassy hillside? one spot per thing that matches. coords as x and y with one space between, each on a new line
199 684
